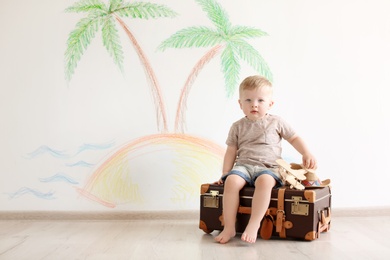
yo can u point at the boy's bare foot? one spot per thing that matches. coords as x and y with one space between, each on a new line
250 234
225 236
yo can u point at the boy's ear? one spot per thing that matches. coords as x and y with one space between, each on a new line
271 104
239 102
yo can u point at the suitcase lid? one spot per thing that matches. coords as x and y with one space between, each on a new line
308 195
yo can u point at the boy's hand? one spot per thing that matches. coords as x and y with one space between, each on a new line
219 182
309 161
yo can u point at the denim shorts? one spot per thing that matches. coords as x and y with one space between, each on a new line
250 173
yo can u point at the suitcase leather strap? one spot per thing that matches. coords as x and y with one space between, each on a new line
280 223
280 214
268 221
324 223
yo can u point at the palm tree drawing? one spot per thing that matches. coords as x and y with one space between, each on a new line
226 37
188 159
104 15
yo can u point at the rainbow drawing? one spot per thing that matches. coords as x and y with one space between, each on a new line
188 159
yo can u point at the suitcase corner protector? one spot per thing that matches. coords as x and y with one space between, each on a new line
310 236
204 188
203 226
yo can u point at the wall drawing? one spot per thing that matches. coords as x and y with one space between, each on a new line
100 15
69 159
224 38
187 160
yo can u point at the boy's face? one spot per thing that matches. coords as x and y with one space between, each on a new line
256 103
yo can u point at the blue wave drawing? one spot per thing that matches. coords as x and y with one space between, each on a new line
44 149
24 190
80 164
59 177
86 147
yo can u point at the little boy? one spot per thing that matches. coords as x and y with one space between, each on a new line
253 145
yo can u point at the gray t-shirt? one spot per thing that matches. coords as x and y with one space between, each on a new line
259 142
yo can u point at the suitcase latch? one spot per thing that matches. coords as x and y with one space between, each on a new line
298 208
214 193
211 201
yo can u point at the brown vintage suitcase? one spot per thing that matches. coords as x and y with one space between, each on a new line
292 213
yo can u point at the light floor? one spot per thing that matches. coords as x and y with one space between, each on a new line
349 238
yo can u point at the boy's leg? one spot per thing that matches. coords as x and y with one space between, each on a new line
261 197
233 185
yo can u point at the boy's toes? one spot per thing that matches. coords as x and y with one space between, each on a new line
224 237
247 238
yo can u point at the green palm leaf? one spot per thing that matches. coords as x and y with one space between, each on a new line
244 32
192 37
216 14
251 56
114 5
230 68
144 10
87 6
112 42
78 41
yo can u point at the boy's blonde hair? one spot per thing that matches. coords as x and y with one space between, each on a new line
254 82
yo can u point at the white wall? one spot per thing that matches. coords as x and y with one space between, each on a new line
330 61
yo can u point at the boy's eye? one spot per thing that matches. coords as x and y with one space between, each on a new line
261 100
248 100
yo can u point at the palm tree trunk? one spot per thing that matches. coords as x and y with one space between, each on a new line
182 105
151 76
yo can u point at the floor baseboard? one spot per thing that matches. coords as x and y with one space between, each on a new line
99 215
158 215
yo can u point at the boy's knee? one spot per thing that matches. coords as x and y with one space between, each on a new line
235 181
265 180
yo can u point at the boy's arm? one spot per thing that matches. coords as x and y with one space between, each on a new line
308 160
228 160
